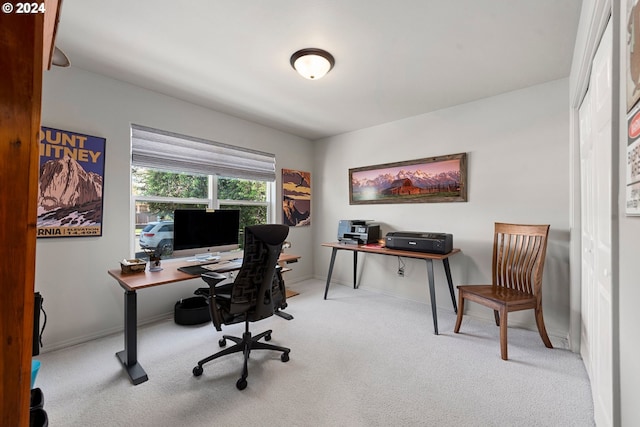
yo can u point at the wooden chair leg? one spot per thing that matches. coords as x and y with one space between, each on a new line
497 317
456 329
503 333
541 329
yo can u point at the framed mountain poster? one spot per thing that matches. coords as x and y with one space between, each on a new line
70 189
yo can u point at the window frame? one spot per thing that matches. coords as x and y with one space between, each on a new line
213 202
165 151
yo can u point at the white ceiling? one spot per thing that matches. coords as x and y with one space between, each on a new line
394 58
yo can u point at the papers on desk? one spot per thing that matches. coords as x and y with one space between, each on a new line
217 266
223 265
203 259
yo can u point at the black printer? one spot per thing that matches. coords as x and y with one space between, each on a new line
435 243
358 231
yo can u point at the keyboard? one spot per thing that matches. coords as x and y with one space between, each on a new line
198 269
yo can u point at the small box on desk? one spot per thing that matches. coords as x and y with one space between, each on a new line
133 265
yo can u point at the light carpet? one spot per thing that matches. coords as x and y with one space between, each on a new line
357 359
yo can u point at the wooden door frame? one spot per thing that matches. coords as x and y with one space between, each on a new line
26 45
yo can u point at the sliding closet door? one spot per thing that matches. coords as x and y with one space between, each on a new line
595 161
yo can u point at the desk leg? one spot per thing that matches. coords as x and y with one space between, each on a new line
447 271
333 260
129 356
355 269
432 293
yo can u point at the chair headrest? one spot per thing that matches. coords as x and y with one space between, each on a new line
271 234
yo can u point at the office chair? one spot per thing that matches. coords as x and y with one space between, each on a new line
249 298
518 260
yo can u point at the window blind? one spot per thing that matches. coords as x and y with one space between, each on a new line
157 149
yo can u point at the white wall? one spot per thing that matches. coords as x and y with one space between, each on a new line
517 145
80 299
517 157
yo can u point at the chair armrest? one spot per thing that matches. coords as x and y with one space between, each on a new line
212 280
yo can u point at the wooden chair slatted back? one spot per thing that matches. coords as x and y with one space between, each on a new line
518 256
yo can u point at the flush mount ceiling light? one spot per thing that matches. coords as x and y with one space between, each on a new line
312 63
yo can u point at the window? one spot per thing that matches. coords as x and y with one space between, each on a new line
167 174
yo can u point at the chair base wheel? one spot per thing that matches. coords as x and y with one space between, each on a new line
244 345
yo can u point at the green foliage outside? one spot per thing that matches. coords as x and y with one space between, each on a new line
239 189
242 189
149 182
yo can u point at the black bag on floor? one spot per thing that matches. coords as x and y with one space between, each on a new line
191 311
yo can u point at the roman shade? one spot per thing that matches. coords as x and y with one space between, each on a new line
157 149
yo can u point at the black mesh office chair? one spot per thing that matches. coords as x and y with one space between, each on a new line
249 298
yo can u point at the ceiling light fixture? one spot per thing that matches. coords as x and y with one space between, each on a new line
312 63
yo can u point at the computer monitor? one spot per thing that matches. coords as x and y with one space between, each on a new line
204 233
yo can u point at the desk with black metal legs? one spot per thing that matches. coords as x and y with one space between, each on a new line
146 279
399 253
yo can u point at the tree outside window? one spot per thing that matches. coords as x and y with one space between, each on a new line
158 193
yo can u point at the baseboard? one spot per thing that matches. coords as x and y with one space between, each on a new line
288 282
557 339
48 347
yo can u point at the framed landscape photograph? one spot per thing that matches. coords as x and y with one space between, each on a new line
430 180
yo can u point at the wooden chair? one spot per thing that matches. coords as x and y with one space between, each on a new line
518 260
